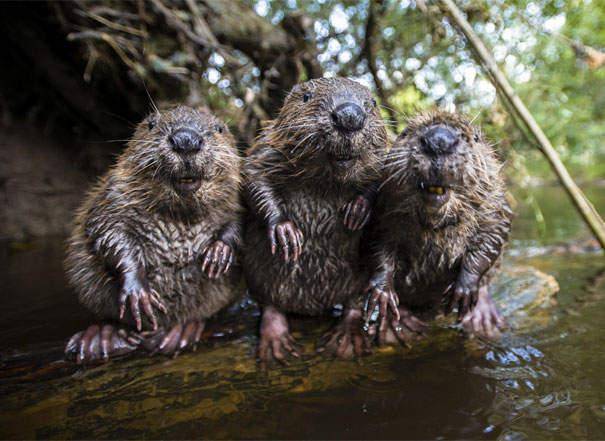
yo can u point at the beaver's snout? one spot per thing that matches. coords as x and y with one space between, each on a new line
348 117
439 141
186 141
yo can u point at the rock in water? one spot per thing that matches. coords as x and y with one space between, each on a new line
218 390
524 295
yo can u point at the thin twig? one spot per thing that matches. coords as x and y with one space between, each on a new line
116 26
133 65
369 52
485 58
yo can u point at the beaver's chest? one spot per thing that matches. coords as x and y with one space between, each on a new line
326 273
174 245
320 217
427 265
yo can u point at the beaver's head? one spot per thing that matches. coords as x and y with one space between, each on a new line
443 165
332 124
181 150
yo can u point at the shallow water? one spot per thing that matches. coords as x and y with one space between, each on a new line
542 382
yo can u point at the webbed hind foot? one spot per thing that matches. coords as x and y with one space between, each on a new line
347 339
276 342
484 320
175 340
404 329
100 342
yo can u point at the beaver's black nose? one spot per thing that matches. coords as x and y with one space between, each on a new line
439 141
186 141
348 117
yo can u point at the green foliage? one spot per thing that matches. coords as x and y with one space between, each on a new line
422 61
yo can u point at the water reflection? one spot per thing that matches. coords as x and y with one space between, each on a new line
540 381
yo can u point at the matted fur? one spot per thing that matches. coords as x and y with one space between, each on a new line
134 205
293 162
431 244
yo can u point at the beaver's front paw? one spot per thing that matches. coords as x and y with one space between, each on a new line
357 213
140 296
217 259
380 301
463 294
289 239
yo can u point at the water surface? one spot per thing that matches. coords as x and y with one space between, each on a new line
542 382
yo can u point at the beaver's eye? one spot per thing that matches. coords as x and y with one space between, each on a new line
307 96
219 128
152 121
370 104
476 137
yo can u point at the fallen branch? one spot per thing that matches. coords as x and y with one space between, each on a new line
588 212
175 22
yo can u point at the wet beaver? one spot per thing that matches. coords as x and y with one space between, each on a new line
154 241
441 221
313 168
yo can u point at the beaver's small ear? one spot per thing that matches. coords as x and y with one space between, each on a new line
307 96
405 132
152 120
202 108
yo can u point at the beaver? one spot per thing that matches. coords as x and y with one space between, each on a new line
312 169
441 222
154 242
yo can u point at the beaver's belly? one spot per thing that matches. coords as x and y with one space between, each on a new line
189 294
174 269
328 271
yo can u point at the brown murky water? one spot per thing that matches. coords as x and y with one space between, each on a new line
545 380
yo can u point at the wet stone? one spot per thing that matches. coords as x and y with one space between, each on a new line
218 390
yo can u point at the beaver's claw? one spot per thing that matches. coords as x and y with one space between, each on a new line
463 294
347 339
178 338
380 301
484 320
406 330
357 213
289 238
99 342
276 342
217 259
140 297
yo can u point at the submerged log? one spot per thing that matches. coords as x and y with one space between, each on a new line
208 391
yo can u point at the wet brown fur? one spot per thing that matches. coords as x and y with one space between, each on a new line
431 244
291 175
135 206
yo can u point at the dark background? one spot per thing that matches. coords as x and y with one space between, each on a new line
77 76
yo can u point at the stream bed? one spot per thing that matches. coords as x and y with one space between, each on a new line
543 380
